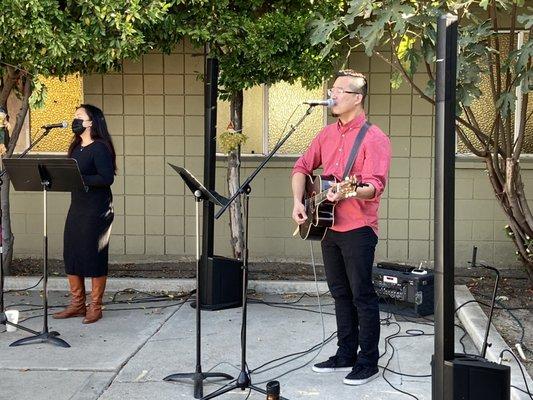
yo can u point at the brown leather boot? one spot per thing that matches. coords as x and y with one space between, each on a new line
76 308
94 311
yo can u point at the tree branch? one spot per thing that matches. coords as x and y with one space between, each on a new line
521 129
529 116
399 68
397 65
10 79
468 143
428 70
524 205
496 179
509 129
485 139
524 119
21 116
496 46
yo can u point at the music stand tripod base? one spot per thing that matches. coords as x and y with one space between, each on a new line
197 378
43 337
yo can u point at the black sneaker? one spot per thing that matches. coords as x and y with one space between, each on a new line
361 374
333 364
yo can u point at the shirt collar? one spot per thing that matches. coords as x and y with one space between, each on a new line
355 123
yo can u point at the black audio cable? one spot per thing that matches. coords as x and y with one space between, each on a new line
521 370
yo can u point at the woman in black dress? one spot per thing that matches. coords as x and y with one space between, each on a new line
88 224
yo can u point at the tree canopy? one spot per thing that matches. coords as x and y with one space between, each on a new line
403 34
256 41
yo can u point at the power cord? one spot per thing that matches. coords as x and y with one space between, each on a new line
154 299
26 289
150 298
321 319
521 371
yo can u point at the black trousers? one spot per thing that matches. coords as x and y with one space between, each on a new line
348 258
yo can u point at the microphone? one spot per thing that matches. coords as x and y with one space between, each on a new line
327 103
52 126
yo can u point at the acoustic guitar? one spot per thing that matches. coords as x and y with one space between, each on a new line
320 211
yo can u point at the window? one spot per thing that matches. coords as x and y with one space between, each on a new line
62 98
484 109
266 113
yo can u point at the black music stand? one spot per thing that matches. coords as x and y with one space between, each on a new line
3 318
200 194
244 381
46 175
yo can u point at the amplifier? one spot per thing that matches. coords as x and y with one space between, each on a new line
403 289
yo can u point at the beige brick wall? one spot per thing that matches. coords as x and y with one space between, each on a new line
154 109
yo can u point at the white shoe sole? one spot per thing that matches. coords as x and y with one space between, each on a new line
328 370
358 382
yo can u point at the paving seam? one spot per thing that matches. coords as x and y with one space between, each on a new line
139 348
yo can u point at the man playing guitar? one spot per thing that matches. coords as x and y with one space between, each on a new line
348 246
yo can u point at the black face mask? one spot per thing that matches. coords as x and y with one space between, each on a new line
77 126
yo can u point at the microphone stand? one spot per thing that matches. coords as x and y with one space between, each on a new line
244 381
3 318
492 303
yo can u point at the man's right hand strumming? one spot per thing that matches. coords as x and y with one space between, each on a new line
298 213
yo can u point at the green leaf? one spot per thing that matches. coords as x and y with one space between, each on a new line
396 80
39 95
506 104
322 31
429 90
484 4
357 8
526 19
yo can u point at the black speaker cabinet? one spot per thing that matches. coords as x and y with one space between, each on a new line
476 379
220 283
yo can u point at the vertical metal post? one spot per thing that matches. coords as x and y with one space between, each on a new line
444 205
210 128
45 260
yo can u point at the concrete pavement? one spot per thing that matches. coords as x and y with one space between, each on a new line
128 353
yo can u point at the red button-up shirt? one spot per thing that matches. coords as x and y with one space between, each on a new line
331 149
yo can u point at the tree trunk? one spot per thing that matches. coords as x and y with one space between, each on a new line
512 200
233 177
7 235
8 239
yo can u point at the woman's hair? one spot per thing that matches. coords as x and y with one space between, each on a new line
99 131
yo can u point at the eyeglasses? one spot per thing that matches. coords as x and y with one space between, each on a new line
339 91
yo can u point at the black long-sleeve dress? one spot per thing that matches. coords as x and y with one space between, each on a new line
89 219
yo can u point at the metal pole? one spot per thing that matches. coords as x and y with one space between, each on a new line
444 205
210 128
45 260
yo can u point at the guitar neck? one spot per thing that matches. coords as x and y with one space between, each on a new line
319 198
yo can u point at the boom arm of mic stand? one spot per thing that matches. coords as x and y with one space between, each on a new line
492 303
245 187
46 132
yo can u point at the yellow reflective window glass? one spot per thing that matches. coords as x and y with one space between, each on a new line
62 98
283 98
266 113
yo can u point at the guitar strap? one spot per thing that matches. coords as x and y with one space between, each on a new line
355 148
